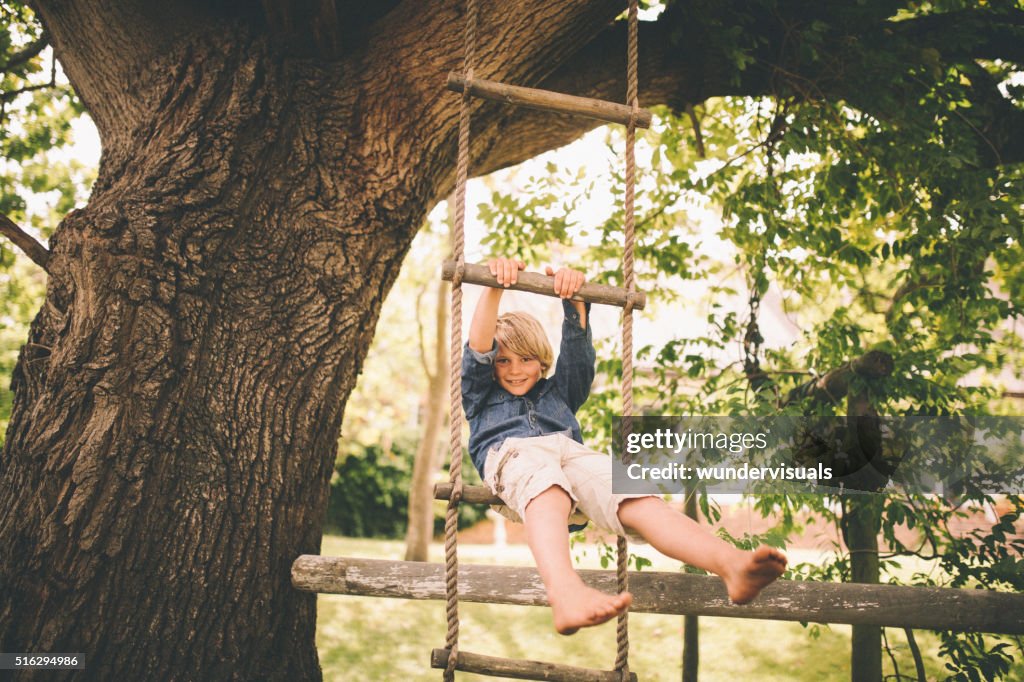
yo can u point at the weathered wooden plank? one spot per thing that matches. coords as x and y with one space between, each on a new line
523 669
928 608
547 100
536 283
473 494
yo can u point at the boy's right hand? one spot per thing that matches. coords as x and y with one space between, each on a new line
506 270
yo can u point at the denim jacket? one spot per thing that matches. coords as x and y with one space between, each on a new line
549 407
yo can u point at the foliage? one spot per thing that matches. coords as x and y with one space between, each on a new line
370 493
38 109
885 227
22 287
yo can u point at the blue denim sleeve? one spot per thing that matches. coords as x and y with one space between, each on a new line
477 377
574 369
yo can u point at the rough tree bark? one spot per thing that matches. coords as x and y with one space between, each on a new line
265 166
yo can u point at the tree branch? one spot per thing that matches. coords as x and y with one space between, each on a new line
968 34
833 386
24 241
906 289
23 55
11 95
598 70
682 64
520 42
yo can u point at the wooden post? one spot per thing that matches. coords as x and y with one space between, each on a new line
862 520
691 622
536 283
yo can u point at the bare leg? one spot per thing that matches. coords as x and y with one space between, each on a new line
573 604
680 537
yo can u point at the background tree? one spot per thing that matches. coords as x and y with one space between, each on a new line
265 168
429 453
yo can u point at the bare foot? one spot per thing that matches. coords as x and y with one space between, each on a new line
752 572
582 606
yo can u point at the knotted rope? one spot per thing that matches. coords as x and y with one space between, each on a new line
451 518
629 282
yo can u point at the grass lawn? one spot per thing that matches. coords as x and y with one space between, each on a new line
368 638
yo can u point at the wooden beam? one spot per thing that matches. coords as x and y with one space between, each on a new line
927 608
473 494
546 100
536 283
523 669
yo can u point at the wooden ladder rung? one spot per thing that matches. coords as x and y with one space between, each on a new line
536 283
613 112
473 494
522 669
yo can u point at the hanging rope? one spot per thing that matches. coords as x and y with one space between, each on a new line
451 519
629 282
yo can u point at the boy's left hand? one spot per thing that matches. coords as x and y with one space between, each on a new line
567 281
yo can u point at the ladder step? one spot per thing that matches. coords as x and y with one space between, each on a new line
536 283
522 669
613 112
473 494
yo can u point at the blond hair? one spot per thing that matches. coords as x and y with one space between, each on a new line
523 335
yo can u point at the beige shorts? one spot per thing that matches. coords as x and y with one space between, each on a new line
523 468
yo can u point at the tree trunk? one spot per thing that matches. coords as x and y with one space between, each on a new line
178 403
429 454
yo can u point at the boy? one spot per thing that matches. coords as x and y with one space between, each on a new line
526 443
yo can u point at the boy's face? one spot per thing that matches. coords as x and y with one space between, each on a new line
515 373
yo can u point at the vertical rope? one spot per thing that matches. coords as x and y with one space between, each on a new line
451 519
629 282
